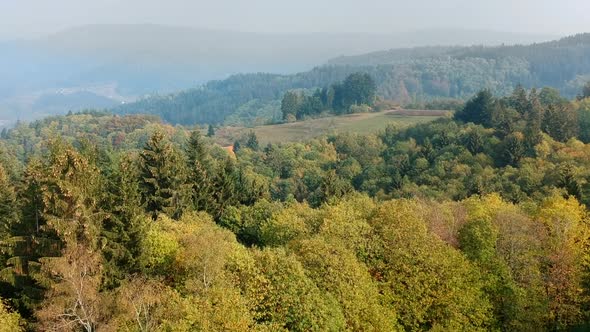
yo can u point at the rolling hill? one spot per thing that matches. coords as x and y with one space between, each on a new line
145 59
404 75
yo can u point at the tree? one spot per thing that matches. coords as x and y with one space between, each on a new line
477 239
513 148
550 96
74 301
360 300
162 178
585 91
560 121
583 114
124 228
290 105
519 101
200 172
357 88
9 321
8 207
565 222
143 302
533 128
568 179
225 187
210 131
429 284
479 109
252 141
284 297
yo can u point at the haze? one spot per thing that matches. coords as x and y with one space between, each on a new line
34 18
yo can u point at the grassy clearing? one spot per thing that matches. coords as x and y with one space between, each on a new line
362 123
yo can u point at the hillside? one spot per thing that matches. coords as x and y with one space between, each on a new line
147 59
405 76
465 223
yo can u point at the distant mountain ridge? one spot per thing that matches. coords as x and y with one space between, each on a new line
477 50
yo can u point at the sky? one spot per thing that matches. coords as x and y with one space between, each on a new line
32 18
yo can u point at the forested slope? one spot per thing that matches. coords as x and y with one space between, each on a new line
405 76
473 223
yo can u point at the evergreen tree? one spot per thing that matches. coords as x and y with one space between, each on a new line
585 91
200 172
568 179
252 141
162 178
479 109
519 101
8 208
513 148
124 228
210 131
225 187
560 121
533 132
474 141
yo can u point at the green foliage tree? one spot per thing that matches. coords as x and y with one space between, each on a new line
290 105
252 141
9 321
415 269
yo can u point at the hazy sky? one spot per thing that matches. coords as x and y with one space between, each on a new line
20 18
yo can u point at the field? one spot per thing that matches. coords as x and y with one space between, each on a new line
361 123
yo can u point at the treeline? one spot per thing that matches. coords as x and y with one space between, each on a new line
217 101
412 76
473 223
356 93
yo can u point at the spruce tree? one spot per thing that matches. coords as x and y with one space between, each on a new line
8 209
479 109
162 178
124 228
225 187
200 169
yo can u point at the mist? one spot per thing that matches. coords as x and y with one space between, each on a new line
35 18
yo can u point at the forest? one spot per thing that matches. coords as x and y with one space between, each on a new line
406 76
473 222
355 94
